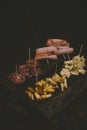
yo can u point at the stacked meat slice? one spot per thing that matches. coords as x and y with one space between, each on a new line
28 70
54 48
31 69
16 78
46 53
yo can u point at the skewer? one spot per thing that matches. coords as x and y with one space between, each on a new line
64 57
80 49
47 61
68 56
29 54
35 70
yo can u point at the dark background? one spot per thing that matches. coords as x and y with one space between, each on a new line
24 25
22 28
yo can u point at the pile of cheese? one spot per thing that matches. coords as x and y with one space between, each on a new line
46 87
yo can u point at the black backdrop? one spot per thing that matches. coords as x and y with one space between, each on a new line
22 28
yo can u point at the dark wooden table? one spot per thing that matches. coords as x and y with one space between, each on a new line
63 107
13 97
